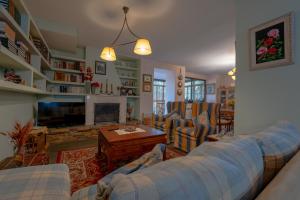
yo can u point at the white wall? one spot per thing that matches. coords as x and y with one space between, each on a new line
147 67
265 96
171 80
13 108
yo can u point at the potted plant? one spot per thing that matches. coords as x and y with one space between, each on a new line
19 137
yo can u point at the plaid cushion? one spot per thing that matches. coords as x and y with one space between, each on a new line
45 182
279 144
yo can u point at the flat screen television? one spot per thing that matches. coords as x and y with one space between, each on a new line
61 114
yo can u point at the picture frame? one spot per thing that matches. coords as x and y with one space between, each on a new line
147 78
147 87
271 43
211 88
100 67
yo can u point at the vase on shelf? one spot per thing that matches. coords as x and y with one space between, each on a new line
88 87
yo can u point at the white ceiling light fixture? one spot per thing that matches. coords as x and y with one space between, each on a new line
142 46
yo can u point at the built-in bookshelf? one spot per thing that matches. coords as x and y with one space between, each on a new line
65 75
128 70
21 60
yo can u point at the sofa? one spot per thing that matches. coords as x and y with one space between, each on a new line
44 182
186 135
263 165
234 168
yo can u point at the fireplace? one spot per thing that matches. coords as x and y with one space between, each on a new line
106 112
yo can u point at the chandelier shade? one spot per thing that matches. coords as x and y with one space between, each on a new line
108 53
142 45
232 73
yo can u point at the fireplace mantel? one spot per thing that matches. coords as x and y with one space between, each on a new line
90 106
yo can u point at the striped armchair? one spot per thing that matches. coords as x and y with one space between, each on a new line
186 136
164 123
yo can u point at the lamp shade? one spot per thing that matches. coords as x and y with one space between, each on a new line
142 47
230 73
108 54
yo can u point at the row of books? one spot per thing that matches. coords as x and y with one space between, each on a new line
7 38
61 76
39 44
9 5
72 65
66 89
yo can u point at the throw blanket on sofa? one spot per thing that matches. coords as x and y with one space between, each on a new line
102 190
228 171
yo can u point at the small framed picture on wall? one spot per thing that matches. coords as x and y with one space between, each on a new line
211 88
147 78
147 87
100 67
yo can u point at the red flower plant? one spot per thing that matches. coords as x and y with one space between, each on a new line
19 135
96 84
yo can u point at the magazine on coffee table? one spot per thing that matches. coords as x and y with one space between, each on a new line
124 132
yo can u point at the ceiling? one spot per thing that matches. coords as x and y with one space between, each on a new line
199 34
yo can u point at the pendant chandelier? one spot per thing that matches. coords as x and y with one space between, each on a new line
232 73
142 45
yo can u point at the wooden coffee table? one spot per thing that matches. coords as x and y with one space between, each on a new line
127 147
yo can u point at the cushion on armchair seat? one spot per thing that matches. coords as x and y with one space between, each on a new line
186 131
159 125
45 182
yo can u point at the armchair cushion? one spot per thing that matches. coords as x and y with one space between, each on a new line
186 131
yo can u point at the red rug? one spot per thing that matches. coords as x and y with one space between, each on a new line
86 169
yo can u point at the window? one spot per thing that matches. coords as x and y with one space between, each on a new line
159 90
194 89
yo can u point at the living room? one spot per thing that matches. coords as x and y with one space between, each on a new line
135 99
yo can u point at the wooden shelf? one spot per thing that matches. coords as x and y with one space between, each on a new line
11 60
133 97
68 58
66 94
65 83
20 35
130 87
66 70
128 77
13 87
126 68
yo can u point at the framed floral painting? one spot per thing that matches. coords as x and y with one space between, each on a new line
271 43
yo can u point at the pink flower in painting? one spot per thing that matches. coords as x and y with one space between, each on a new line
274 33
262 50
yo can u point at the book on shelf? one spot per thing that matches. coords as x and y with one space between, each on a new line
7 31
66 77
66 89
71 65
39 44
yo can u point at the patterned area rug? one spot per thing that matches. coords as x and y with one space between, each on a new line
86 169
